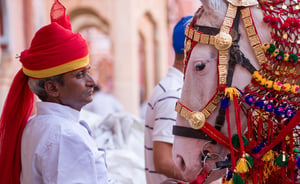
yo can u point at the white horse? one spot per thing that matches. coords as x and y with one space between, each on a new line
205 75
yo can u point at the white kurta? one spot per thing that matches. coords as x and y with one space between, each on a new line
57 149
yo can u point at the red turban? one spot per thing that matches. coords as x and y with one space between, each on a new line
54 50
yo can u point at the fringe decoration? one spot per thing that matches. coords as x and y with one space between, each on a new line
236 142
269 156
282 159
244 164
292 166
232 91
237 179
232 154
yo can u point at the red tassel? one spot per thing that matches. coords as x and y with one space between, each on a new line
267 18
292 159
291 167
270 131
229 135
238 122
250 125
259 129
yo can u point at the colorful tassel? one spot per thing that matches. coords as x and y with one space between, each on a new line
292 162
237 179
282 160
244 164
227 182
269 156
236 142
293 58
250 160
231 91
271 49
280 56
225 103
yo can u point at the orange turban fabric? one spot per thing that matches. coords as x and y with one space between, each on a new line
54 50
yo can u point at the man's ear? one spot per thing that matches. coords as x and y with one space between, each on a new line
51 87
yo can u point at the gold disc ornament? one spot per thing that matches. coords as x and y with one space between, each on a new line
197 120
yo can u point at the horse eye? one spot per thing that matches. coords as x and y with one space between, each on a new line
200 66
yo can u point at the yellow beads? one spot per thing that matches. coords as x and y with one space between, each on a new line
277 86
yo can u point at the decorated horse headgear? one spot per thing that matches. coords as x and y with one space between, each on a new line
271 101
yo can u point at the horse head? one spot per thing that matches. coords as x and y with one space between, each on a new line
203 81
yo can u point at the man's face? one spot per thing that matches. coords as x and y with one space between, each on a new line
78 88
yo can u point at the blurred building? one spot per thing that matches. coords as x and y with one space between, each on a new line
129 40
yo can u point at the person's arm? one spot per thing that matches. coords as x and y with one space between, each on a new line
163 160
165 118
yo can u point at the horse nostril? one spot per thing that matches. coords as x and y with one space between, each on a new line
181 162
200 66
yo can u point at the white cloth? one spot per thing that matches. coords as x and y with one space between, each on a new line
160 118
56 149
122 135
104 104
115 130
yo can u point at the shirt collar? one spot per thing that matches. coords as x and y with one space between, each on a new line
57 110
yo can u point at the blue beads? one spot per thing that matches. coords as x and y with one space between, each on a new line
290 112
256 149
249 99
298 162
260 104
229 175
225 103
269 107
279 110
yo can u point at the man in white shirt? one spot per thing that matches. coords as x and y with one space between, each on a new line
52 146
161 116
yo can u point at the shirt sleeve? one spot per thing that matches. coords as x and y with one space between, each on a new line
165 117
71 160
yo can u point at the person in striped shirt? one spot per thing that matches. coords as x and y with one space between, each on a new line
161 115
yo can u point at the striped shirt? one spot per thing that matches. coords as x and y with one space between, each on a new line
160 118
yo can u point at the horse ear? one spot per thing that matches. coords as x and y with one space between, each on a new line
205 4
213 4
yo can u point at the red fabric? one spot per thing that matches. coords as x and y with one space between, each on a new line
58 14
53 45
17 109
